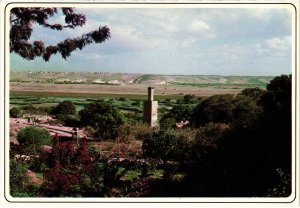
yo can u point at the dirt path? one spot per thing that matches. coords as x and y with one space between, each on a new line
34 178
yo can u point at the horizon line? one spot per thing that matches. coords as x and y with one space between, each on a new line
232 75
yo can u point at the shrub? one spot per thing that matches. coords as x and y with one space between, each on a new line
164 145
176 114
167 123
17 178
15 112
34 137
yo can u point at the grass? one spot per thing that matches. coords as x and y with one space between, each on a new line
92 96
131 175
142 78
39 175
156 173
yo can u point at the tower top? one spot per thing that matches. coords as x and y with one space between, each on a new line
150 93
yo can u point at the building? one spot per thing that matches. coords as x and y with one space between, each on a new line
150 109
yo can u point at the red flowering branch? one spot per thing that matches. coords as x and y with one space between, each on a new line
22 20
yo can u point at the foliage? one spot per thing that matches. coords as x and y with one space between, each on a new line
246 112
34 137
277 119
283 188
37 164
254 93
167 123
240 110
189 99
205 141
277 100
248 154
176 114
72 172
23 19
164 145
15 112
104 118
70 120
64 108
30 109
17 178
217 108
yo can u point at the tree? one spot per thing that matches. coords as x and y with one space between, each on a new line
34 137
246 111
277 120
104 118
254 93
217 108
64 108
23 19
278 98
255 155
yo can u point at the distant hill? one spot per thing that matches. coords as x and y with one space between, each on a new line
128 78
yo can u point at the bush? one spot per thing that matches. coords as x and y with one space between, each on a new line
164 145
34 137
167 123
176 114
17 178
30 109
15 113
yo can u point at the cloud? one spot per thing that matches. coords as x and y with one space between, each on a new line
183 40
199 27
277 43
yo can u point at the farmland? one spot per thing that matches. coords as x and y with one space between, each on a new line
46 89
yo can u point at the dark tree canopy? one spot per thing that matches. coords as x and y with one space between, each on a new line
217 108
254 93
103 117
64 108
22 20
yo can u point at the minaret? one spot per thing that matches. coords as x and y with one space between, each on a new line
150 109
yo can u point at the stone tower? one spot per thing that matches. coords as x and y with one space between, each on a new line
150 109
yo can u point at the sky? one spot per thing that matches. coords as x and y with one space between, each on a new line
192 41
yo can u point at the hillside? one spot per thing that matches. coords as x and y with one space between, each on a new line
128 78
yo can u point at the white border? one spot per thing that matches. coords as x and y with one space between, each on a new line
7 5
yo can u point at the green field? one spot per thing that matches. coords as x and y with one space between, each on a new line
32 95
